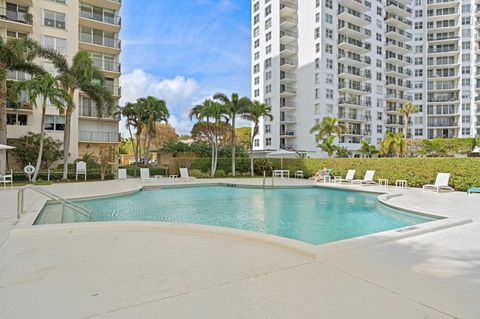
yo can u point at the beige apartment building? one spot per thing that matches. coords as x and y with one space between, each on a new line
68 26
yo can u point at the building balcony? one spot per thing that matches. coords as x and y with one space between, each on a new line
288 8
398 47
450 14
398 85
287 64
93 43
398 72
286 77
358 5
398 34
441 75
288 22
353 59
15 20
398 9
100 21
352 117
18 76
398 59
442 51
107 65
398 21
287 91
288 133
353 45
115 90
22 105
354 88
451 27
443 98
436 122
354 102
288 119
99 137
437 4
398 97
353 31
89 111
287 106
354 74
440 38
287 50
442 87
106 4
351 15
287 36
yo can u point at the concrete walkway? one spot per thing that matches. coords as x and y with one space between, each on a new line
127 272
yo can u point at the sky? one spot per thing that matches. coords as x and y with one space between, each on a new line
183 51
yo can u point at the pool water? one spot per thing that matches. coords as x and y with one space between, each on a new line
312 215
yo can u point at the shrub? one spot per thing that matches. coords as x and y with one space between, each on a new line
220 173
135 171
197 173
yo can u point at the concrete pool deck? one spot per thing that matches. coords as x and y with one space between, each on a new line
125 271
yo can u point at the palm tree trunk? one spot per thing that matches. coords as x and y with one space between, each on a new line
405 125
234 145
3 121
213 160
147 148
215 155
133 144
66 142
251 157
42 137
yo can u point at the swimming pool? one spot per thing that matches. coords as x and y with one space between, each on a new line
312 215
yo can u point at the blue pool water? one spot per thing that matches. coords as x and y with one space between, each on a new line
312 215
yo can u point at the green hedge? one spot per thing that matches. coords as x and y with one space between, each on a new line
465 172
223 164
135 171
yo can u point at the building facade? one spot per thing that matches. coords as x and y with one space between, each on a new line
360 61
67 26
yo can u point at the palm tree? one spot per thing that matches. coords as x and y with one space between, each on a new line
153 111
15 55
393 144
407 109
327 146
328 127
254 112
234 106
81 75
367 149
47 88
211 113
131 112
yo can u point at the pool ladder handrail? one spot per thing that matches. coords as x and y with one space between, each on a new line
65 202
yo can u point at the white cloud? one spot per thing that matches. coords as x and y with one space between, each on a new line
180 93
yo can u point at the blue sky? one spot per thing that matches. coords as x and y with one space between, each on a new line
183 51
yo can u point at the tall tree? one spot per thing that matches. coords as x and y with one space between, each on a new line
407 109
80 75
328 146
15 55
153 111
254 113
367 149
211 113
234 107
132 112
46 88
327 127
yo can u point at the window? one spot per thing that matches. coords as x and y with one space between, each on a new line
256 31
329 33
418 132
256 142
329 78
317 108
17 119
59 1
379 129
328 18
256 93
257 55
268 49
256 80
329 4
257 43
268 23
256 19
55 43
328 48
54 123
268 76
268 10
329 93
54 19
256 68
268 36
268 62
268 128
268 141
329 64
465 131
316 33
256 7
268 89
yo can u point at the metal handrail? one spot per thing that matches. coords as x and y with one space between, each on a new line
77 208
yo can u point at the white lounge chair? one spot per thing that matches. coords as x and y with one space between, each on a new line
441 183
367 179
81 169
348 178
184 175
122 173
145 175
7 179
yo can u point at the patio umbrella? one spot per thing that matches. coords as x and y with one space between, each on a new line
5 147
281 153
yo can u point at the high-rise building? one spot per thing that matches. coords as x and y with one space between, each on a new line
360 61
67 26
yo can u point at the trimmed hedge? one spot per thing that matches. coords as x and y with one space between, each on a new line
57 176
223 164
135 171
465 172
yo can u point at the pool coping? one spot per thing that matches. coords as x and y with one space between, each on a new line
26 223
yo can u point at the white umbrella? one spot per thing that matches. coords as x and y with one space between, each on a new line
5 147
281 153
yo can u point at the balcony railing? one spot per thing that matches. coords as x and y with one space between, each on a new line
115 20
18 76
107 65
360 44
93 39
288 133
353 101
115 90
20 105
90 111
288 118
107 137
289 5
398 18
399 31
362 73
291 105
358 58
355 13
288 89
16 16
356 87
